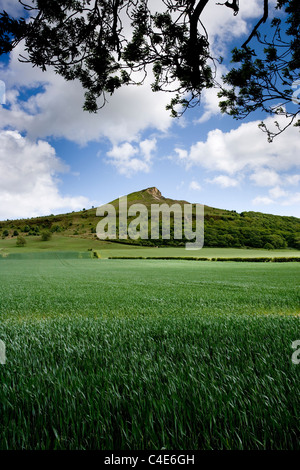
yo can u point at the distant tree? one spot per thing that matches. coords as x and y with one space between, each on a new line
26 229
46 236
297 243
268 246
21 241
277 241
16 233
5 233
56 228
107 44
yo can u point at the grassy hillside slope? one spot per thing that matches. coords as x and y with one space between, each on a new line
223 228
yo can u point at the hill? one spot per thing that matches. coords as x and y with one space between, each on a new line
223 228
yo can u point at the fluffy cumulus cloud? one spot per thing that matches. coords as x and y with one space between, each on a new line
28 178
283 194
244 154
55 107
129 158
209 98
224 181
292 180
262 200
279 197
292 199
244 149
195 186
209 104
265 177
277 192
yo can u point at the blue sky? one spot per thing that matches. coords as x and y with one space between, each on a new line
55 158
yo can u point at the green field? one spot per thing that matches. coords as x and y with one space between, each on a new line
149 354
108 249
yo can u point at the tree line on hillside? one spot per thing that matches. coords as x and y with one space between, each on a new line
221 228
230 229
27 230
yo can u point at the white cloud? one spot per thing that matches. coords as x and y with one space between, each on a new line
244 149
265 177
122 152
28 183
56 110
293 199
194 185
148 146
224 181
277 192
181 153
292 180
130 159
279 198
264 200
245 153
209 105
209 98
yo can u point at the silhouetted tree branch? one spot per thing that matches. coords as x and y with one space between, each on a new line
265 78
107 44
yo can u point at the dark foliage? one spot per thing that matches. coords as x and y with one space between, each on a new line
107 44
